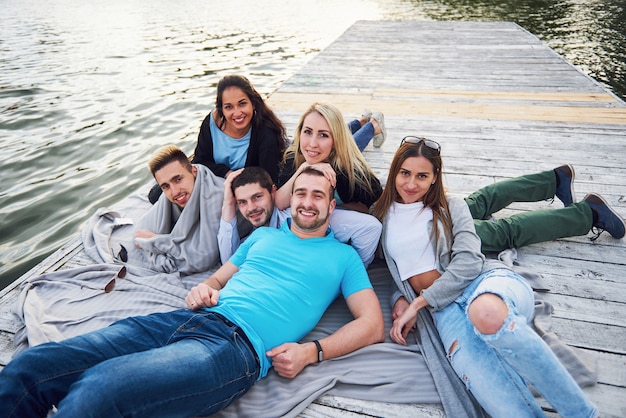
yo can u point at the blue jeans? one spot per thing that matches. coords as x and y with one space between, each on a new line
497 367
179 363
362 134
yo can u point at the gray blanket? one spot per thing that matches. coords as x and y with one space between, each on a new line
186 241
71 302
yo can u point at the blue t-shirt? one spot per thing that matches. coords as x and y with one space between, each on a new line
228 150
285 284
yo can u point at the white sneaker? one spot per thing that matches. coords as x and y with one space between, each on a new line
379 139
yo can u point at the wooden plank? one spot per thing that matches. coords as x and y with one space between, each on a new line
332 406
569 97
454 108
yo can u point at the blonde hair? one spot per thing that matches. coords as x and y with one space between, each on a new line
345 157
165 155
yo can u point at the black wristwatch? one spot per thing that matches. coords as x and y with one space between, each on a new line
320 352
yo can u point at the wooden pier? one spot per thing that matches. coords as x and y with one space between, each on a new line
502 104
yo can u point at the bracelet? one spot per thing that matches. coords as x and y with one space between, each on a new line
320 352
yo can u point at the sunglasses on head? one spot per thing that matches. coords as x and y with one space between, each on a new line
428 142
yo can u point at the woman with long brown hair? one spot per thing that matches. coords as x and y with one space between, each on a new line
481 308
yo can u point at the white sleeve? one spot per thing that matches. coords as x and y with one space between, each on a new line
227 239
360 230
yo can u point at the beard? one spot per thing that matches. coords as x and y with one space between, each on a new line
262 221
308 224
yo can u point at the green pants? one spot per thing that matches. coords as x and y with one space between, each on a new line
530 227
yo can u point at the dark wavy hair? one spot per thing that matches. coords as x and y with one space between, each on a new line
263 115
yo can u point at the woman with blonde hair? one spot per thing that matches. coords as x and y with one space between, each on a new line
323 141
481 308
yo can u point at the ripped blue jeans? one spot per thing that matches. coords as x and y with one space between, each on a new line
497 368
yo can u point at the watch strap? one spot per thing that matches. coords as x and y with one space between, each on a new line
320 352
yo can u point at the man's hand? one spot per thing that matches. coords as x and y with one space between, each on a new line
289 359
202 296
143 233
229 204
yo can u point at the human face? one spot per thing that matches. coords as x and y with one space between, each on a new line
311 205
238 110
255 203
316 139
177 182
415 177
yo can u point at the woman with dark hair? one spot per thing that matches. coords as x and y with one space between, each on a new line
481 308
241 131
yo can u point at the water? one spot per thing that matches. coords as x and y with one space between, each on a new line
88 90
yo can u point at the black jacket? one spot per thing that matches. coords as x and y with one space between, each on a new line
343 185
262 152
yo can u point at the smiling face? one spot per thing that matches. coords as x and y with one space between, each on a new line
414 178
316 139
255 203
176 181
311 205
238 111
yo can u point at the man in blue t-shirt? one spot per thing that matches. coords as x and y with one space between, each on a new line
250 193
242 320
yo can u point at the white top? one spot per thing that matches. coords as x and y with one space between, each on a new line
408 240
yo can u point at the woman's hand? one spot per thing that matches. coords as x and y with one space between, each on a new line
403 325
405 321
324 168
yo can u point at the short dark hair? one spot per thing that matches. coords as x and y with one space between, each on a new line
165 155
314 172
251 175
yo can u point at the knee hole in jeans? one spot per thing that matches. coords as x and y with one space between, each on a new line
487 312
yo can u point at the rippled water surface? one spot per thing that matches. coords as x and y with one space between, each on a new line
89 89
